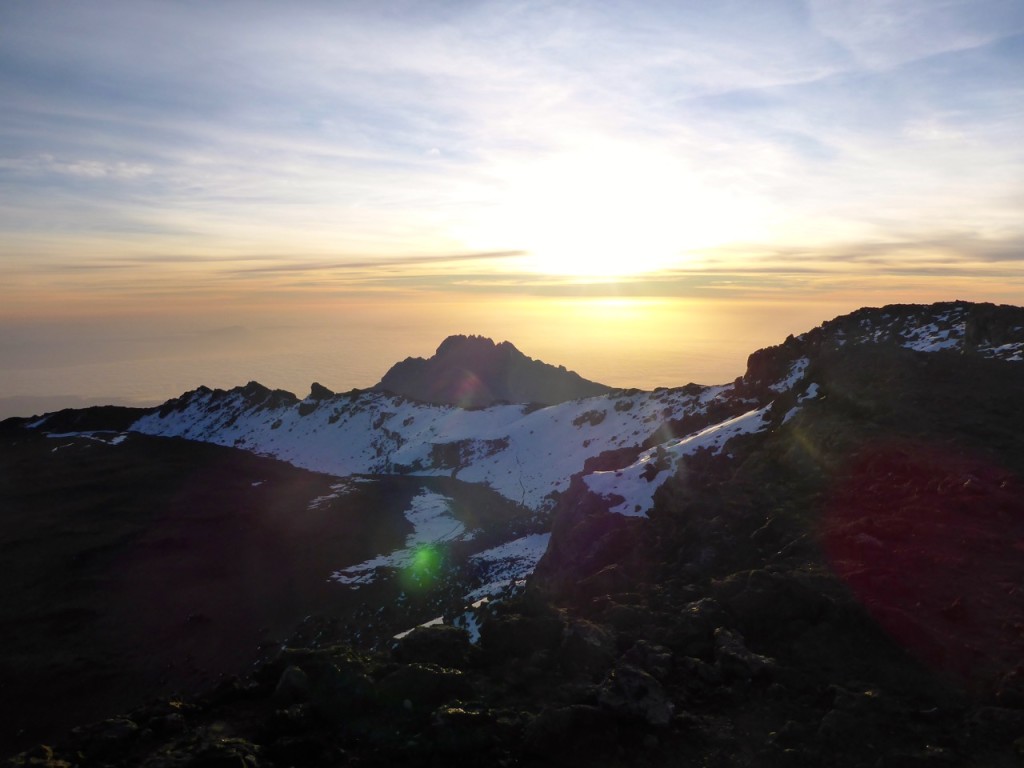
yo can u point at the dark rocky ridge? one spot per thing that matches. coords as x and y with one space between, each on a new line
473 371
980 330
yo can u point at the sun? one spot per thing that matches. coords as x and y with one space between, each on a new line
584 230
604 211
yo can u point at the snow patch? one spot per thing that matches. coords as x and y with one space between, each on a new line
635 485
1013 352
100 436
507 564
432 623
810 393
338 490
933 338
431 516
470 622
796 372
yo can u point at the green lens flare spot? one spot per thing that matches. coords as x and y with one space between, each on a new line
424 567
426 558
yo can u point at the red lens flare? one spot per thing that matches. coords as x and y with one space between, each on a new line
931 542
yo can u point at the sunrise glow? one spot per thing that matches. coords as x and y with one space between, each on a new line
168 170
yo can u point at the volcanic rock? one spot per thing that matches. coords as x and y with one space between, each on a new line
474 372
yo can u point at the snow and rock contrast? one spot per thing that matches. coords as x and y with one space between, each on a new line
433 524
635 485
524 452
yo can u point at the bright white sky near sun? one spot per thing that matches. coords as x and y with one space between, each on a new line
181 153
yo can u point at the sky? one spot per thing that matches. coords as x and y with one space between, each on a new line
218 164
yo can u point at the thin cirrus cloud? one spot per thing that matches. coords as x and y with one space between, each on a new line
808 134
407 261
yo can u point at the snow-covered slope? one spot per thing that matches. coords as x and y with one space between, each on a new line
635 485
523 452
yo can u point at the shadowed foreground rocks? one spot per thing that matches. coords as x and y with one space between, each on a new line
760 656
676 690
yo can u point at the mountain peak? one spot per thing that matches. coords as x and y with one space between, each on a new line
461 342
474 371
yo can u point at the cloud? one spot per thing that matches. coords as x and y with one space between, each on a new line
90 169
885 33
377 263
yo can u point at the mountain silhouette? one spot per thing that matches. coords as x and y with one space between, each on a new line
474 372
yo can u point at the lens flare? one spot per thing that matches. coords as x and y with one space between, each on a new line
424 568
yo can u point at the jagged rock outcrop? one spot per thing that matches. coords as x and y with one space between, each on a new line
253 395
983 330
474 372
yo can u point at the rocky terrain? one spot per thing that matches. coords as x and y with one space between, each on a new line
817 564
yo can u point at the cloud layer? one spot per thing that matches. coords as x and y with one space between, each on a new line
170 149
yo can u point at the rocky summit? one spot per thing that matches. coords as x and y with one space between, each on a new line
473 372
819 563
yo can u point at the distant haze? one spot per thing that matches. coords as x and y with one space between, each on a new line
627 343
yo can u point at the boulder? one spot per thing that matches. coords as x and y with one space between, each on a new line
587 648
292 687
633 694
736 660
693 632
